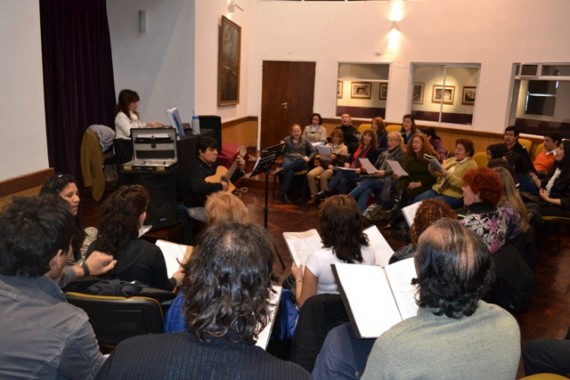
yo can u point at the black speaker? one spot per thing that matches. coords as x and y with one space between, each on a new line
161 210
214 123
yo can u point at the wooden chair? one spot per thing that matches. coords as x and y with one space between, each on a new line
117 318
481 159
393 128
526 143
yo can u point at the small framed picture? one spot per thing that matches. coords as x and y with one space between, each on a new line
383 93
418 93
360 90
442 94
339 88
469 95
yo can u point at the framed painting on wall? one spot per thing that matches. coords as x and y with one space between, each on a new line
360 90
339 89
469 95
383 93
442 94
418 93
229 62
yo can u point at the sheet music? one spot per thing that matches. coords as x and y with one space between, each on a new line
433 161
325 152
367 165
379 245
371 306
265 334
410 212
397 168
174 255
302 244
400 275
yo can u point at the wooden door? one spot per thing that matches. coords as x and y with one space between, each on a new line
288 90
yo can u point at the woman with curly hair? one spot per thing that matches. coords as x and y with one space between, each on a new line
122 214
429 211
340 227
482 191
65 186
419 178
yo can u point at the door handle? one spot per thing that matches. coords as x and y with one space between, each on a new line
284 105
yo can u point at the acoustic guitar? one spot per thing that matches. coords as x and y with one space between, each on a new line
223 175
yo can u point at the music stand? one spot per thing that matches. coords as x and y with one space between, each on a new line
263 165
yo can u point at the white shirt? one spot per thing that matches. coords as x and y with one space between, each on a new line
123 125
319 263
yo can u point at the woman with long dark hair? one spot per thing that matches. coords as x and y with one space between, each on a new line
340 228
122 215
127 115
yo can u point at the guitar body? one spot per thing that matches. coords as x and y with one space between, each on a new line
223 175
219 176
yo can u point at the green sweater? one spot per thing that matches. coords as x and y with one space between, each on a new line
485 345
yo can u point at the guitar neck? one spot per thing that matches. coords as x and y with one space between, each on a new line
232 169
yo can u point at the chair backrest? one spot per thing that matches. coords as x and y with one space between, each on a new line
393 128
526 143
364 126
539 149
117 318
481 159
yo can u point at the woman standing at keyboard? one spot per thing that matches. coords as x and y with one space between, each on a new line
127 116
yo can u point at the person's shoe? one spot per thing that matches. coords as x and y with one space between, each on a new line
321 195
285 199
312 200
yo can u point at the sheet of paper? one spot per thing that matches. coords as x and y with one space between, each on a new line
174 255
433 161
410 212
325 152
265 334
400 275
397 168
345 169
302 244
371 306
367 165
379 245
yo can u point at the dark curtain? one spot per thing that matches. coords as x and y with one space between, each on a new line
78 76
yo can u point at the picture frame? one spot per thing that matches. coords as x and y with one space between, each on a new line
339 88
418 93
383 92
441 94
229 55
469 95
360 90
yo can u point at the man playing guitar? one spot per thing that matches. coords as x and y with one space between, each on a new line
205 165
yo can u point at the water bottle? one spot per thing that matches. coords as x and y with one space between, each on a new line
195 125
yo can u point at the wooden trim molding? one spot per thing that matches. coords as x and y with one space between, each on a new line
13 185
241 120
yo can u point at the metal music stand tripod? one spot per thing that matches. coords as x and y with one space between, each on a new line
263 165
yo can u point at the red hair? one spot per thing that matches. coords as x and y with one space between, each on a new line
486 183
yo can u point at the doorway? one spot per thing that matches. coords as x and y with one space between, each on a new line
287 95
